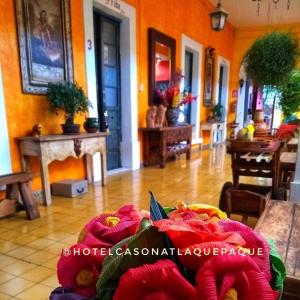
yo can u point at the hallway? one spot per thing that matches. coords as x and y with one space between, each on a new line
29 250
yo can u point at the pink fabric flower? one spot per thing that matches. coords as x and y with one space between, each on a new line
223 274
108 229
79 268
253 240
160 281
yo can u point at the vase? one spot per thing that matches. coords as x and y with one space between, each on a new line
70 128
91 125
172 116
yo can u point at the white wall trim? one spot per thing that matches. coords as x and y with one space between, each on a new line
130 146
241 98
196 48
221 61
5 159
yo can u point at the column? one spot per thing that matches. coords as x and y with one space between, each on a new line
295 185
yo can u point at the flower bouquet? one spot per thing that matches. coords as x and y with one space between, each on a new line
188 252
172 98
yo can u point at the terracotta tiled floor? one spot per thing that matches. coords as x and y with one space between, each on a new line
29 250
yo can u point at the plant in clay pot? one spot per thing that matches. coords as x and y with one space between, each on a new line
70 98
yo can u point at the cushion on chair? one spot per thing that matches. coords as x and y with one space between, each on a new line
285 131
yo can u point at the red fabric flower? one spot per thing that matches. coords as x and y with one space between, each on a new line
79 268
108 229
160 281
186 233
223 274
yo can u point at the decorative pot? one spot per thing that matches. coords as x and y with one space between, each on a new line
91 125
70 128
172 116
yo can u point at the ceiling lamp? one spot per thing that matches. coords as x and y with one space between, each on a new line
218 18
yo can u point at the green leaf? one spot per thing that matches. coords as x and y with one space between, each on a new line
116 264
277 268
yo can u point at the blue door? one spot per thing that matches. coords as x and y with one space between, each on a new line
107 32
185 113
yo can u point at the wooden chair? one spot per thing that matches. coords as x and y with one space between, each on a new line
20 184
245 203
287 168
245 200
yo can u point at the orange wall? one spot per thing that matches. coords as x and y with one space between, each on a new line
173 17
244 38
25 110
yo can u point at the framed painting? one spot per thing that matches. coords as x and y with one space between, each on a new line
209 76
44 32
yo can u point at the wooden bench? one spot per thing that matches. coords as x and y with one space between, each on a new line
19 184
281 223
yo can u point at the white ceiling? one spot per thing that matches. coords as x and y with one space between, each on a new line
243 13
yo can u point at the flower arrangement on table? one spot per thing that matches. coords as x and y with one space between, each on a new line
189 252
172 98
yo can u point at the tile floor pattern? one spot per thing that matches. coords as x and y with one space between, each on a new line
29 250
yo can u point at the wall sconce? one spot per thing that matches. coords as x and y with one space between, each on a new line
218 18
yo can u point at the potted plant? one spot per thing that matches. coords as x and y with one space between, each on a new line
290 95
270 60
70 98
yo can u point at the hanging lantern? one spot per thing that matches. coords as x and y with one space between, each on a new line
218 18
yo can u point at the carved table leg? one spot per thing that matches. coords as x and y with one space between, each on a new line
45 181
89 167
211 138
25 163
103 166
188 151
163 150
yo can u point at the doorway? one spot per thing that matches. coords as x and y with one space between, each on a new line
222 90
107 43
185 113
191 66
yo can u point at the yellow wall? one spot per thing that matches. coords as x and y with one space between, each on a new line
244 38
173 17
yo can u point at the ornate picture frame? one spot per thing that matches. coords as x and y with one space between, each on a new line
45 46
209 77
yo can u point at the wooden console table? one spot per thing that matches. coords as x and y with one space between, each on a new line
281 223
161 143
58 147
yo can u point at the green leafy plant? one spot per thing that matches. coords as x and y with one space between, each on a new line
219 111
290 95
69 97
272 58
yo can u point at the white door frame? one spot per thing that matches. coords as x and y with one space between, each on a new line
241 98
130 146
5 159
221 61
188 44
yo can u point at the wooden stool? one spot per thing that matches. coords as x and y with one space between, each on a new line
19 183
